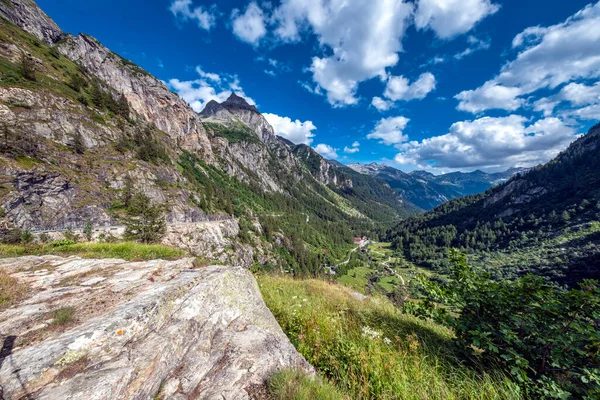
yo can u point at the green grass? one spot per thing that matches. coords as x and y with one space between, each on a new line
63 316
357 278
128 251
234 134
289 384
369 350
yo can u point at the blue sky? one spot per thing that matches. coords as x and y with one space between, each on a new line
440 85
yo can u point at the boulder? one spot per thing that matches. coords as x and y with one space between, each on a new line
139 330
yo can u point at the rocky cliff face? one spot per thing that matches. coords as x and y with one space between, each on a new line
148 97
142 330
27 15
323 170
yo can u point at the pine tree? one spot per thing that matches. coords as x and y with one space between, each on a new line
88 230
96 95
27 67
78 144
144 221
123 106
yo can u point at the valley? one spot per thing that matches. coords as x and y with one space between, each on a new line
154 249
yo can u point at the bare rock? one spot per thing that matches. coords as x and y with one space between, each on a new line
141 330
27 15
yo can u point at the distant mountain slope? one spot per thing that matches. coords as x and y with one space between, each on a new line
371 196
427 190
544 221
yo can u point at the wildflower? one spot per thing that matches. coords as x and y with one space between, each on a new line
370 333
387 341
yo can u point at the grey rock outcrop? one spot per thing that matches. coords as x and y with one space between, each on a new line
156 329
147 96
27 15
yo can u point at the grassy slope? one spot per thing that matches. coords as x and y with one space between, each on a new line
128 251
370 350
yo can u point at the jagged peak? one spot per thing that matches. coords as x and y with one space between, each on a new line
212 108
237 102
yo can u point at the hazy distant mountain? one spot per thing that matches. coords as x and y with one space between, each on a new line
427 190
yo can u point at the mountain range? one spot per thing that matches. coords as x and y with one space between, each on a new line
82 127
427 190
544 221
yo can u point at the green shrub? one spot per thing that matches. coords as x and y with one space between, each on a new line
63 316
546 337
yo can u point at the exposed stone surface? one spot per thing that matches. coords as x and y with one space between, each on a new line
27 15
148 96
139 330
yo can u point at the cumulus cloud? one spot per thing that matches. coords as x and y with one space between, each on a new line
389 131
326 151
209 86
250 26
362 39
548 57
381 104
584 101
184 11
489 96
449 18
355 148
296 131
400 88
490 143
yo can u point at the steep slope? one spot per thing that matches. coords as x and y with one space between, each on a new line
371 196
544 221
429 191
82 128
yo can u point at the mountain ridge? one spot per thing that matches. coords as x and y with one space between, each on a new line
427 190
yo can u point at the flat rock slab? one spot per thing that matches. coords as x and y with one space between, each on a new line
139 330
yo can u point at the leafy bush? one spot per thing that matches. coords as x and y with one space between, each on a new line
547 338
62 242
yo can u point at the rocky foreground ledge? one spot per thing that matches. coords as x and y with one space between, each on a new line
110 329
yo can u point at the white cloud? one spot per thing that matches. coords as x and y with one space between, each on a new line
296 131
548 57
184 11
448 18
490 143
362 39
270 72
584 101
389 131
354 149
381 104
207 75
475 45
489 96
326 151
249 26
399 87
209 87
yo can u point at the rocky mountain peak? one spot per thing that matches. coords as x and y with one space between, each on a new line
236 102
